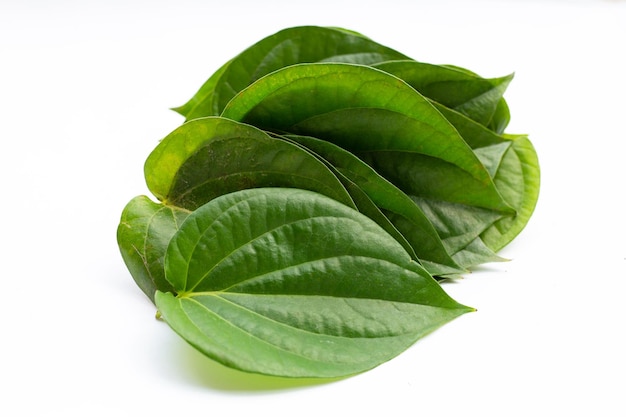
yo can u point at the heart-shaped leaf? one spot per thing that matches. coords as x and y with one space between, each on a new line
289 282
319 181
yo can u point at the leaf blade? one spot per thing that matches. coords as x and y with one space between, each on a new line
212 156
308 305
478 98
144 231
287 47
514 165
400 210
365 110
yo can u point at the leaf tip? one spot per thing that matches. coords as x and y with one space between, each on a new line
179 109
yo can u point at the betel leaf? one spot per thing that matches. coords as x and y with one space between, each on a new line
319 182
512 162
399 209
291 283
288 47
473 254
208 157
501 117
202 102
476 97
459 227
366 110
143 234
518 179
432 176
366 206
473 133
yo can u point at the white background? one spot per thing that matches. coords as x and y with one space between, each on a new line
85 92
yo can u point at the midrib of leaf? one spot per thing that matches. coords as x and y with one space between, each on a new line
497 90
463 164
239 328
249 243
255 337
217 294
493 168
485 180
290 267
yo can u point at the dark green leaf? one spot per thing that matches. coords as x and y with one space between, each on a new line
476 97
399 209
366 110
288 47
291 283
366 206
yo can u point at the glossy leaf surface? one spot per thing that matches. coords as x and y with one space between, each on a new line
289 282
366 110
399 209
320 181
366 206
476 97
291 46
212 156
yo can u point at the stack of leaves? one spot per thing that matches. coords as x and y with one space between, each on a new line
321 185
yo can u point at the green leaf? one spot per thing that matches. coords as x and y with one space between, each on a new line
501 117
472 132
143 234
476 253
204 100
366 110
209 157
478 98
491 156
291 283
407 218
366 206
513 163
288 47
518 179
458 225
